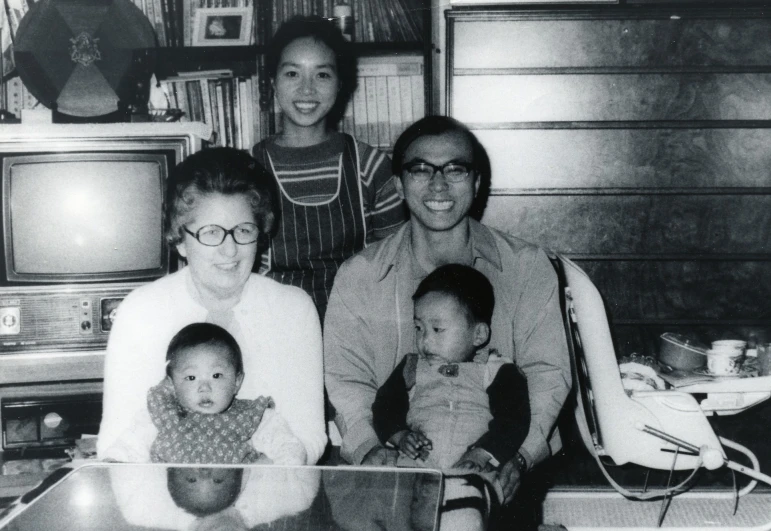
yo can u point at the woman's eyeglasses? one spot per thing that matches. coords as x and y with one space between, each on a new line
454 172
214 235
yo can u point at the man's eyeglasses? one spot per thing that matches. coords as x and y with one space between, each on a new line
214 235
454 172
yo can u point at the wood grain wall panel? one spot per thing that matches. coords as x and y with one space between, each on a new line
636 142
495 99
683 290
637 224
628 42
628 158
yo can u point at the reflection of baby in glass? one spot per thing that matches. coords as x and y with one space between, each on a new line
209 495
199 420
454 403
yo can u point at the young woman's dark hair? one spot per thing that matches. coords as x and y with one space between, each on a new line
470 288
324 31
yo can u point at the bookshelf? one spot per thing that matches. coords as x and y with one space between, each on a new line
247 79
177 64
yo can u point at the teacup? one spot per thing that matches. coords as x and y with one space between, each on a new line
738 344
724 361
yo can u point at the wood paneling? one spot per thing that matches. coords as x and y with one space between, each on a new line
683 290
679 225
638 142
490 99
628 157
707 39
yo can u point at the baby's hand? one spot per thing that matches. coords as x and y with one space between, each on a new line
413 444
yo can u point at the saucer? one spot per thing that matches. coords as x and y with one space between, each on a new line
704 372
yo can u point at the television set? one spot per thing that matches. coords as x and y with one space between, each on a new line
81 226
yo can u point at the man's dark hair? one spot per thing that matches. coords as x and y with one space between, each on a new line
466 285
432 126
322 30
197 334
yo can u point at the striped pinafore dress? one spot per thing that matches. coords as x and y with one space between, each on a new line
314 237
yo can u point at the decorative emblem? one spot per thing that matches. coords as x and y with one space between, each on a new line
84 50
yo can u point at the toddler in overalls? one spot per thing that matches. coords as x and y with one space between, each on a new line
198 418
454 403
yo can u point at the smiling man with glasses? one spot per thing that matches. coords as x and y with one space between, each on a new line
369 323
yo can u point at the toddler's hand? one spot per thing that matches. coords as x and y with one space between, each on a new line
413 444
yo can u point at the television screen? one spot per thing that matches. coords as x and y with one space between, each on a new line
70 216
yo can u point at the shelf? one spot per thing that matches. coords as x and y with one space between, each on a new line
242 59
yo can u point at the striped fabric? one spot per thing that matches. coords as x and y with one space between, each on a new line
336 197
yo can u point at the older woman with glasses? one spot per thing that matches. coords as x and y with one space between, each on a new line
221 210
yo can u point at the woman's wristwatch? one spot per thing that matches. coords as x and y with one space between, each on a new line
521 463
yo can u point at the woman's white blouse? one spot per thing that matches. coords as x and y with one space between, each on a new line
277 328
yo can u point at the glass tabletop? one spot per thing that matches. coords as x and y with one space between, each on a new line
159 497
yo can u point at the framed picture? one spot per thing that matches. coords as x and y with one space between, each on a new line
222 26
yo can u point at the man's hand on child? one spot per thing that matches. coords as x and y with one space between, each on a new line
475 459
510 478
413 444
380 456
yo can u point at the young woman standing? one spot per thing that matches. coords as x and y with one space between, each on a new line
337 194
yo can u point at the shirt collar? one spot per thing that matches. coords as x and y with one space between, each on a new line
396 256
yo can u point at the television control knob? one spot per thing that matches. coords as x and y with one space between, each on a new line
52 420
85 325
9 320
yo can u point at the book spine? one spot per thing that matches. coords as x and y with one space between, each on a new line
160 26
188 21
259 125
208 115
360 113
371 96
183 105
394 108
193 101
347 123
229 108
245 118
384 134
167 15
418 97
222 119
215 120
180 22
405 96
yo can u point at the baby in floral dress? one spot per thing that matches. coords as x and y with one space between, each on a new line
198 418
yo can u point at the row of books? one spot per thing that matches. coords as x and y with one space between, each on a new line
217 98
374 20
389 97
